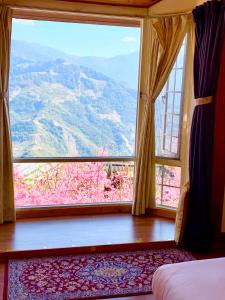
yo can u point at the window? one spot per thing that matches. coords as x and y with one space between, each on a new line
168 137
167 185
73 107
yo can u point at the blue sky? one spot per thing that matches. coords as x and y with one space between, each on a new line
79 39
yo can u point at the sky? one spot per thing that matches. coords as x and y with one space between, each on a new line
79 39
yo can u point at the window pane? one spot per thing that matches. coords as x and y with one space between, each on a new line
168 124
159 175
171 81
177 103
174 145
167 143
170 196
158 194
47 184
172 176
168 107
176 125
180 58
167 185
179 80
73 93
159 120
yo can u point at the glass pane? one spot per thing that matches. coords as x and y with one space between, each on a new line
174 145
172 176
177 103
170 102
158 194
170 196
158 173
179 79
46 184
168 123
159 107
167 185
73 96
171 81
167 143
168 105
176 126
180 58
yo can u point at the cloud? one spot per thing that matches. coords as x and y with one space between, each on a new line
24 22
129 39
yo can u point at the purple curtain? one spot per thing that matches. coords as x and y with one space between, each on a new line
210 26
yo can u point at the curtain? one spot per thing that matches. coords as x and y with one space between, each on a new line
181 215
7 211
209 21
166 36
218 174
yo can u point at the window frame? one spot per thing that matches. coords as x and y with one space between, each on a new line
183 137
111 17
108 207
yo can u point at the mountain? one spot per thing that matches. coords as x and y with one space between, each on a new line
121 68
58 108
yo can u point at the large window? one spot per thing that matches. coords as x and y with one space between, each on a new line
168 135
73 107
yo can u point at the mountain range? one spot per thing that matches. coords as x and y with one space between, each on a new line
62 105
121 68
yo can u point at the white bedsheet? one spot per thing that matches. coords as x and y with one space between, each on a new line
193 280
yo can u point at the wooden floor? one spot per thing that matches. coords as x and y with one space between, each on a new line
67 235
82 233
62 235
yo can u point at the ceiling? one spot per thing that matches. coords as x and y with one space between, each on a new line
132 3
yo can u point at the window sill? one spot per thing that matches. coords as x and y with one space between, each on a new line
169 213
87 209
72 210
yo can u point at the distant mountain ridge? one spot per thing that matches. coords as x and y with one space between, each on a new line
121 68
58 108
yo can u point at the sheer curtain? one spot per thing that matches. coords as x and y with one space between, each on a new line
7 211
166 35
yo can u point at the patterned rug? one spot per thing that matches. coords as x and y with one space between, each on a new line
87 276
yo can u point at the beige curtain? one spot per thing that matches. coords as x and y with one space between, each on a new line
182 209
7 211
166 35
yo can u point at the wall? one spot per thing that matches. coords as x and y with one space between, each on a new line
172 6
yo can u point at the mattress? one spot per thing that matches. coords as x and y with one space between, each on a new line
193 280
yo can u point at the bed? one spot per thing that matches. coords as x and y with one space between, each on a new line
193 280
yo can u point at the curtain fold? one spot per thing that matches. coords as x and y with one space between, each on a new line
7 210
210 22
166 36
181 215
218 174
